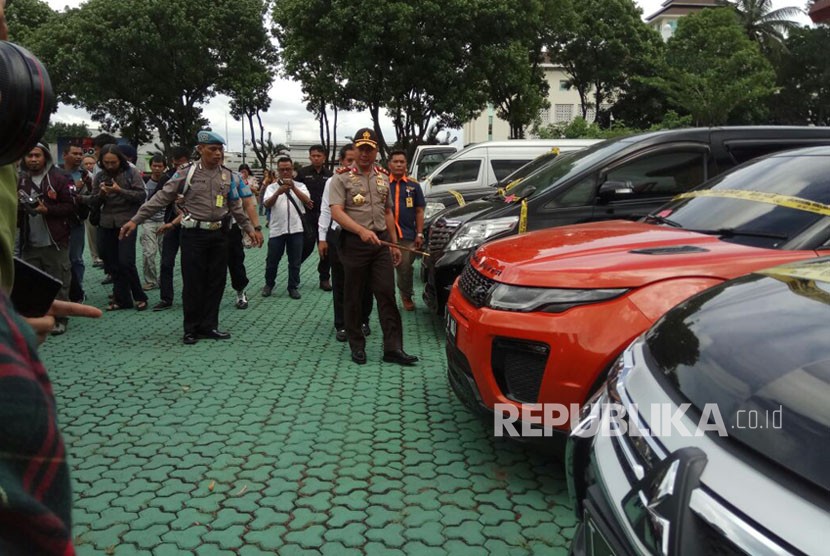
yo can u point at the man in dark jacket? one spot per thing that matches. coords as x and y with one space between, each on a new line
314 177
45 208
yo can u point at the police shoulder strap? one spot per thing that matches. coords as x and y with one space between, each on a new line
188 179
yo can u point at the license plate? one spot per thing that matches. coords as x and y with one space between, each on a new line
596 545
452 327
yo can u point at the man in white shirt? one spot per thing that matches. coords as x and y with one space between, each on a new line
328 234
287 200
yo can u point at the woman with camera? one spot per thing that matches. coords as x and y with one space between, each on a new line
118 192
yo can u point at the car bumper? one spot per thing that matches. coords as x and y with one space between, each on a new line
440 276
523 359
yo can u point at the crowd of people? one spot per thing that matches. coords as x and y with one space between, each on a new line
200 207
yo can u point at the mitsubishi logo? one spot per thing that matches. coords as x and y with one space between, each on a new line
657 504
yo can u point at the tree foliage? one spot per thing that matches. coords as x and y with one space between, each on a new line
603 47
712 68
804 74
24 17
60 129
144 65
762 24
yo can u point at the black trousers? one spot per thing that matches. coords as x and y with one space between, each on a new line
236 259
169 250
324 265
204 274
338 277
370 264
119 256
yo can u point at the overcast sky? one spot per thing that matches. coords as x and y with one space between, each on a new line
287 109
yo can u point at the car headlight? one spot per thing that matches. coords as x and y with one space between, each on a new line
516 298
473 234
432 209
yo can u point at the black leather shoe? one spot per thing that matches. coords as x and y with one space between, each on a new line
294 294
215 335
189 339
107 280
359 357
400 357
325 285
162 305
341 335
365 329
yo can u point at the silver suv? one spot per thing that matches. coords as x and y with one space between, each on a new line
712 433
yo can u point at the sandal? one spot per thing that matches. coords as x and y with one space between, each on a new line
114 307
140 305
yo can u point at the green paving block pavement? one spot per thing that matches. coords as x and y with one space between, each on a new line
274 442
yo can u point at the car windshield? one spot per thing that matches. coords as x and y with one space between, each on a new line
728 205
757 348
526 170
566 165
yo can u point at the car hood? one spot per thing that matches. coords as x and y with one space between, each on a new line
619 254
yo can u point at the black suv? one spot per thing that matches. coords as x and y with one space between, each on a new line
624 178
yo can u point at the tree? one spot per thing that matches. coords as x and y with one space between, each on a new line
144 65
605 45
272 151
387 55
712 68
25 17
804 74
762 24
60 129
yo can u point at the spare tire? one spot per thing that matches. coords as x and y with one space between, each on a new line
26 101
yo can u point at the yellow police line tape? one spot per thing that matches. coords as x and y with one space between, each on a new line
523 217
770 198
818 272
458 197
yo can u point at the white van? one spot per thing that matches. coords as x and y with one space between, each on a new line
483 164
427 158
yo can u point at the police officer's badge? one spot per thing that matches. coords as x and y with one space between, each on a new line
358 199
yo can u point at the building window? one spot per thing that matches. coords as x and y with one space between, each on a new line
590 115
563 113
544 116
563 85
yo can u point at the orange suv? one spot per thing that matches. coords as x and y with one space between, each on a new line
539 318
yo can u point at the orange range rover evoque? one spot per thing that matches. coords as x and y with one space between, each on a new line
538 318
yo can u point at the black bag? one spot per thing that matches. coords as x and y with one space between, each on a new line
309 230
94 215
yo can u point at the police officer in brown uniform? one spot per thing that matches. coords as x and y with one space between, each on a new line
210 196
360 203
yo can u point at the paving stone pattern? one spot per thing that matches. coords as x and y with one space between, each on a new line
275 443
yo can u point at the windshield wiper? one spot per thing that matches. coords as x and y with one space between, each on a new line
664 220
732 232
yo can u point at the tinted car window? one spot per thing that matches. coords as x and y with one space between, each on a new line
662 174
566 166
458 172
805 177
757 348
430 162
503 168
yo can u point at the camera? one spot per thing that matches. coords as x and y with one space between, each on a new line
26 101
29 201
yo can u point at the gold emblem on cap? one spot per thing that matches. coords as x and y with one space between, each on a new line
366 135
358 199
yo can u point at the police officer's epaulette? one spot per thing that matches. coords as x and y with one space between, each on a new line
343 170
381 170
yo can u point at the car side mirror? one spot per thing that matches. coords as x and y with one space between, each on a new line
438 180
613 190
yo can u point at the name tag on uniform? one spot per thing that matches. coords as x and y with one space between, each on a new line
410 202
220 201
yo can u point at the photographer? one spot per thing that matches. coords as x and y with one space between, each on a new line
45 206
118 190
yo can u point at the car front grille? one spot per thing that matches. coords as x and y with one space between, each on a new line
474 285
440 234
518 367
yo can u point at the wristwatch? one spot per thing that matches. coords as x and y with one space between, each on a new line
420 235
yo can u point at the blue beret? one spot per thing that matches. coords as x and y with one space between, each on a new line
206 137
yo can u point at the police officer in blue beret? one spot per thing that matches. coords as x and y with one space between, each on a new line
210 194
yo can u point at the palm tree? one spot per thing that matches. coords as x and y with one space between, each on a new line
764 25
